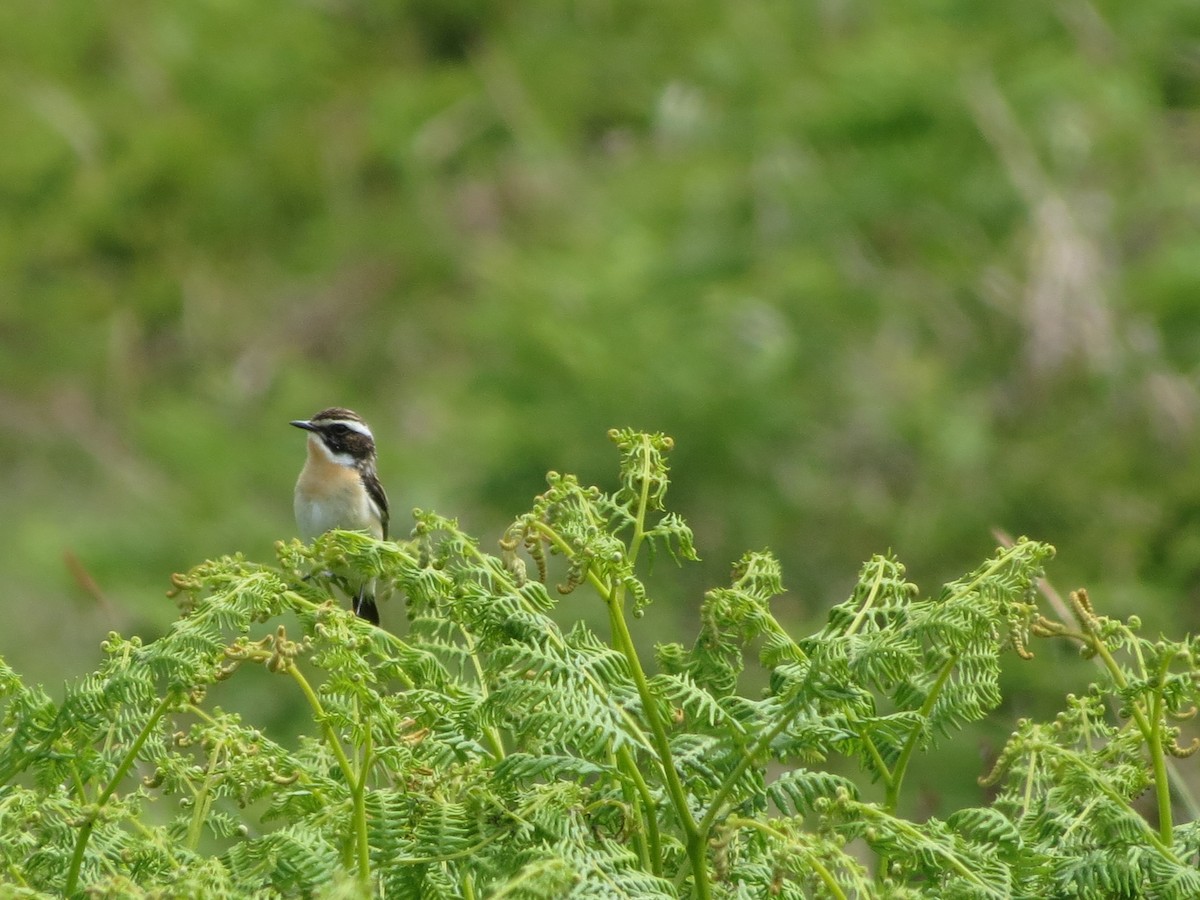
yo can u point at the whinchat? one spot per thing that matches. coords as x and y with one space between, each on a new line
339 488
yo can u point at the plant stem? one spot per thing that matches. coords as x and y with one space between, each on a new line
360 796
892 798
867 603
1151 730
203 800
356 783
1162 783
1027 798
649 842
85 832
823 873
635 730
695 841
490 732
401 646
915 837
639 526
1180 784
896 779
1151 835
614 598
884 772
732 778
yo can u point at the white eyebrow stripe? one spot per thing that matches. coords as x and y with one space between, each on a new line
360 427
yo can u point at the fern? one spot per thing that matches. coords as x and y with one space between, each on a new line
489 752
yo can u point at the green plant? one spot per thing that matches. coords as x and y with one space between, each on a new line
489 753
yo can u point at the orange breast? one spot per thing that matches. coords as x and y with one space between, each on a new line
331 496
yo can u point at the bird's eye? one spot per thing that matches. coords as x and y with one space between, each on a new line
338 429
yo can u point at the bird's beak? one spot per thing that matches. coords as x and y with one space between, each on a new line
303 423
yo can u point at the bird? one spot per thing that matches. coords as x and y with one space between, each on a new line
339 487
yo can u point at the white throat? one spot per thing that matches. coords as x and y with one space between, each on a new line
316 445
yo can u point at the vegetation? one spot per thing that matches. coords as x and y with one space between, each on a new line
893 275
489 753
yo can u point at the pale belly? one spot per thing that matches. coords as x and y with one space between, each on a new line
349 510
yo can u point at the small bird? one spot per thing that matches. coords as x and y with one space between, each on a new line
339 488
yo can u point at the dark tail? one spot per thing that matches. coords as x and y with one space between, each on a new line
365 608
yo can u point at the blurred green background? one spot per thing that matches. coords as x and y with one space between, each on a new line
891 274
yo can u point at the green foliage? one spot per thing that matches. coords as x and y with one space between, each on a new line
489 752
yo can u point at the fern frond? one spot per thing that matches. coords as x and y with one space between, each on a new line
525 768
700 708
287 860
545 718
491 752
797 792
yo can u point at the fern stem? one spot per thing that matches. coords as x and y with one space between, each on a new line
447 857
695 840
614 596
555 637
297 601
913 834
1151 835
490 732
1151 729
202 801
80 786
639 525
1080 818
827 877
649 845
85 832
1158 761
731 780
823 873
637 828
880 764
634 729
360 795
1177 782
892 798
1027 798
867 603
356 784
